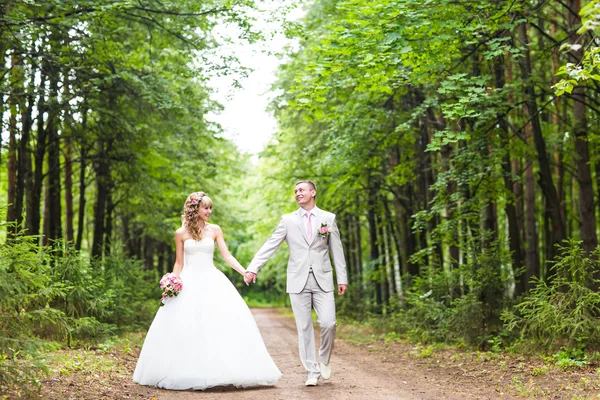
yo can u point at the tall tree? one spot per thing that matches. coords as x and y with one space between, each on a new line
580 131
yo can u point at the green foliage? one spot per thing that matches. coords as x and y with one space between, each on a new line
50 298
353 305
25 289
587 69
458 306
574 357
133 289
133 94
565 310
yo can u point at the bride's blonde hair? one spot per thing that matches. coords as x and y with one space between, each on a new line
191 213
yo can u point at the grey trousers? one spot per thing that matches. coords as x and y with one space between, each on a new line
324 304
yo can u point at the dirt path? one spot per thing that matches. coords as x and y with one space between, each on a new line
357 374
371 370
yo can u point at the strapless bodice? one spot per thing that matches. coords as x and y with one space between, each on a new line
198 254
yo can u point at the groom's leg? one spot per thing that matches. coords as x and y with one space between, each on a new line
324 303
301 305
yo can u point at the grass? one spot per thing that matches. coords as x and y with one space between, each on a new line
94 372
101 359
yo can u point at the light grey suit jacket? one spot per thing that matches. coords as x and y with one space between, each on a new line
303 254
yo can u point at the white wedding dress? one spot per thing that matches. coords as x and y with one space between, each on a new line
206 336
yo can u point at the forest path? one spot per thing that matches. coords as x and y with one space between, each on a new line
357 374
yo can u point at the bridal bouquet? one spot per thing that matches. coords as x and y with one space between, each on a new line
171 285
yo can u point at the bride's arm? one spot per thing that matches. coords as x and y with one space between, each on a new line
229 259
178 252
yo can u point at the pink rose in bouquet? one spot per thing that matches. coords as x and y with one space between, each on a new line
171 285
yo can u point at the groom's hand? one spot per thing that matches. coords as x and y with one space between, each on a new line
342 289
249 277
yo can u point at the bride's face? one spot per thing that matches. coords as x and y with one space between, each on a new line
205 213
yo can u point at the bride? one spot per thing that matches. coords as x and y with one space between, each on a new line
206 336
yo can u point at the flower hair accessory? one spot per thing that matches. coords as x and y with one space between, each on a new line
324 230
193 206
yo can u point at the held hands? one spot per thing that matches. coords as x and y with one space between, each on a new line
249 277
342 289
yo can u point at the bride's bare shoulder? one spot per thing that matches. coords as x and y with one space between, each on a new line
213 227
214 230
181 233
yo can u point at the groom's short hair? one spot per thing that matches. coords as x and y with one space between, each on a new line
310 183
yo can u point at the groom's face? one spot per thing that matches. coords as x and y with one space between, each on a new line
304 194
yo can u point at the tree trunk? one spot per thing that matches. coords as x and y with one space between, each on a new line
517 189
557 122
102 177
69 233
531 258
358 254
171 256
148 253
138 242
54 186
580 128
26 168
489 221
424 175
68 156
82 185
403 211
13 101
373 246
33 220
396 272
2 73
162 257
109 222
514 239
383 266
127 228
22 152
598 183
410 239
545 173
82 198
425 181
46 216
347 245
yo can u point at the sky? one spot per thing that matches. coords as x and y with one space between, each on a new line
245 119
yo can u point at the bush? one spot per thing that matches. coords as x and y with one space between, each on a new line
564 311
25 290
461 305
55 296
134 291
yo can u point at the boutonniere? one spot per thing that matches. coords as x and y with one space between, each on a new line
324 230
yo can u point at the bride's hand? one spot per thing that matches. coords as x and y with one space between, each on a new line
249 277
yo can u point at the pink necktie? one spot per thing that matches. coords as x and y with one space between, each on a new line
308 227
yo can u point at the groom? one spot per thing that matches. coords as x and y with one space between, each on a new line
312 235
